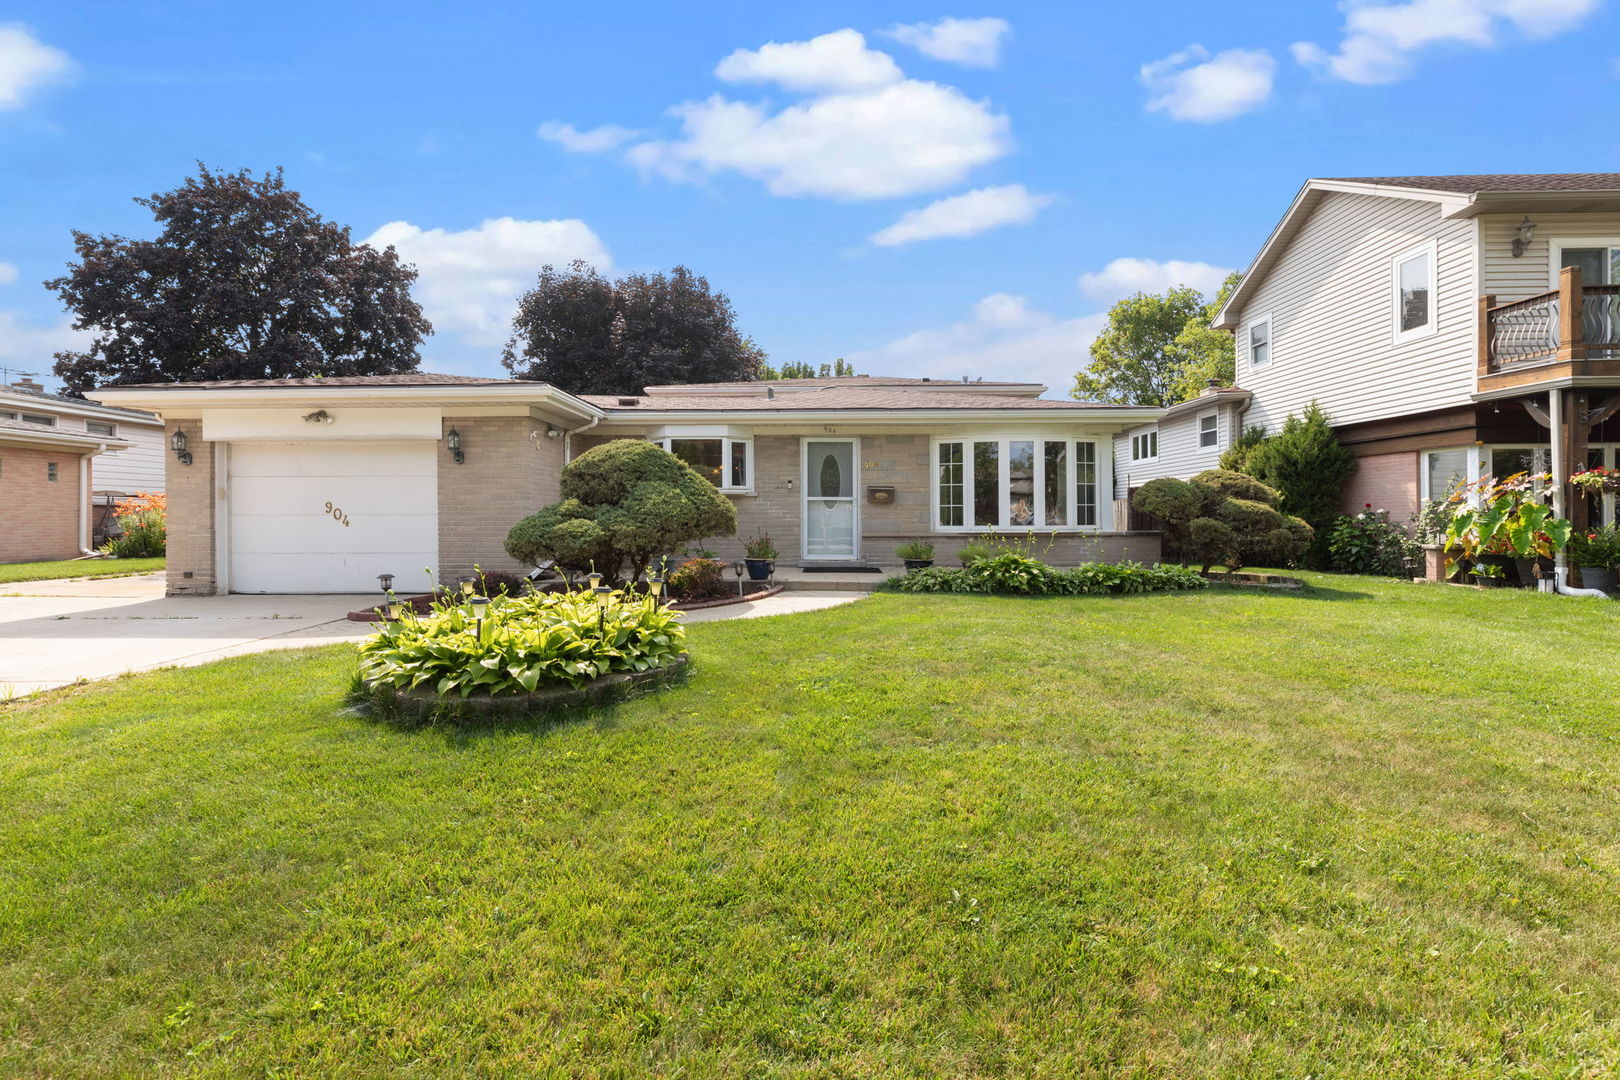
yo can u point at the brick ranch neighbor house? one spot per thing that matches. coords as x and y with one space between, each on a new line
46 481
319 485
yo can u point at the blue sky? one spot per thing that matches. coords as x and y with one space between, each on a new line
925 190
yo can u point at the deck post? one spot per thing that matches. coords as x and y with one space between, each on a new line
1575 435
1571 339
1484 316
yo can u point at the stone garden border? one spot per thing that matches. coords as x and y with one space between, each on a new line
426 705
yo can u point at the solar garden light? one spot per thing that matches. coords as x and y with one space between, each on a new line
479 603
655 585
738 568
467 585
603 595
595 578
386 581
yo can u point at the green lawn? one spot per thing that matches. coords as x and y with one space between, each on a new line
12 573
1370 831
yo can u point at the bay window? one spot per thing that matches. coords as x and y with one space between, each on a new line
1015 483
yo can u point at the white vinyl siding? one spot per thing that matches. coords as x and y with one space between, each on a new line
1257 338
1510 279
1180 451
140 468
1329 298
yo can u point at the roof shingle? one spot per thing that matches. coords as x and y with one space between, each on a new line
1495 182
415 378
837 398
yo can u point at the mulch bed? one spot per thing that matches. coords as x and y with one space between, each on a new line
1253 581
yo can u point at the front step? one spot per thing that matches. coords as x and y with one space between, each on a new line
827 580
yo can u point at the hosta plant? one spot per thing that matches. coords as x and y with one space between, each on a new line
523 643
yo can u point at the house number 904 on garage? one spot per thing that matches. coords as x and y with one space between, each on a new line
337 514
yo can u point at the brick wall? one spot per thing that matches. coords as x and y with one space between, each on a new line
507 476
190 490
1388 481
39 518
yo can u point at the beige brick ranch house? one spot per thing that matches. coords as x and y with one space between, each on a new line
320 485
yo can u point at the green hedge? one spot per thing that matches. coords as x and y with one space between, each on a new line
1020 575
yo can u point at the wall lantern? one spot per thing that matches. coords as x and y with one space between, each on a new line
319 416
452 441
1523 235
177 442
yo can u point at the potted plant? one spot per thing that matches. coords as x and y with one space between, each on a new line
760 555
1598 481
1595 554
1510 524
916 554
1490 576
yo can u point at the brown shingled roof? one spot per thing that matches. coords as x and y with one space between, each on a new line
415 378
23 427
1469 185
846 380
838 398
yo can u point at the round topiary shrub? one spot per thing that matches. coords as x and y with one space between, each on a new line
624 503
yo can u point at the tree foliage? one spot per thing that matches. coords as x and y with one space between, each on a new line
588 334
1236 456
1309 467
243 281
797 369
1223 518
624 503
1159 349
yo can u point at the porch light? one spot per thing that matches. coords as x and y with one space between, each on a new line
1522 236
177 442
452 442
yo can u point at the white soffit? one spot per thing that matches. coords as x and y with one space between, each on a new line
293 425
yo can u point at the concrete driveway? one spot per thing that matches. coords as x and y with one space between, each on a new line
53 633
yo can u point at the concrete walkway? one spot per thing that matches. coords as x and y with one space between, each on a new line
54 633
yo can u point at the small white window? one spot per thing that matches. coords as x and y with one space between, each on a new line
7 414
100 427
1145 447
39 418
1444 473
1260 342
725 463
50 471
1413 293
1209 431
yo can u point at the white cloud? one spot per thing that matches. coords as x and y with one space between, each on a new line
1193 85
1128 276
470 280
896 140
8 273
595 141
970 42
836 61
1004 339
29 345
1380 38
26 64
964 215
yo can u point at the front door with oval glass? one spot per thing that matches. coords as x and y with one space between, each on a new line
830 513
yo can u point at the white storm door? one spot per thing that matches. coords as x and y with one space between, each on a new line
329 517
830 513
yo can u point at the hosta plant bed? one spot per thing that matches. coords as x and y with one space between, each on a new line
423 704
1253 581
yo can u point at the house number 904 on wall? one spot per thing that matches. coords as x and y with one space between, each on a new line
337 514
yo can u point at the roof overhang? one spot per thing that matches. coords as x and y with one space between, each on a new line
186 401
943 386
1106 415
1208 401
50 440
20 400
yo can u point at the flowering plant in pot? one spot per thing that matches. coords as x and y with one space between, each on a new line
1596 553
1597 481
1509 521
760 554
917 554
1489 575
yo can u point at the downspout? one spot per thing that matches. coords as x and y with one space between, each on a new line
85 550
1560 469
568 438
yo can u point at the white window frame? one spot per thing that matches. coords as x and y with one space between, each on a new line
110 433
1271 342
725 440
42 419
1425 492
1431 250
1215 430
1555 252
1151 437
1102 481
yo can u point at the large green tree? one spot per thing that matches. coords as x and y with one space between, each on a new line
243 281
589 334
1159 349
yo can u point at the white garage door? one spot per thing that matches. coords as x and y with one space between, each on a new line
329 517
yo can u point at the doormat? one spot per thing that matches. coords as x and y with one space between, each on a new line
842 569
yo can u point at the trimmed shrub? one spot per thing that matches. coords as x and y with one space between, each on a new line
1308 466
1236 457
1223 518
700 579
525 643
624 503
1370 543
1020 579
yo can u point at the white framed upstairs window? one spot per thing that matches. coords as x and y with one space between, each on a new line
1209 430
1145 446
1260 342
101 427
727 463
1015 482
1412 292
42 419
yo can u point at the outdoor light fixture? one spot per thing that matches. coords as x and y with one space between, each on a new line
595 579
319 416
386 581
452 442
1523 235
177 442
479 603
467 584
603 593
738 568
655 586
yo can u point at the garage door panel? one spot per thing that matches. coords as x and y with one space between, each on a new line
356 496
282 538
281 573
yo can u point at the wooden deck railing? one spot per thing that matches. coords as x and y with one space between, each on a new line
1572 322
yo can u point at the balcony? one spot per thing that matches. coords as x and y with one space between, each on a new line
1571 332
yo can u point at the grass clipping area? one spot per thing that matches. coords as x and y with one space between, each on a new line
12 573
1367 830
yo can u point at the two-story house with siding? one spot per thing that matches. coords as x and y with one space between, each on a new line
1452 327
